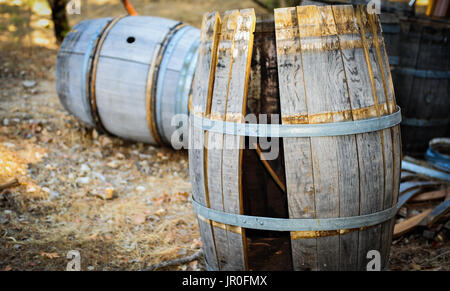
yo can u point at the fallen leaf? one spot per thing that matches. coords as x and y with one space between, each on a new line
7 268
50 255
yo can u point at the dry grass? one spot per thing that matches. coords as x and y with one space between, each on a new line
51 212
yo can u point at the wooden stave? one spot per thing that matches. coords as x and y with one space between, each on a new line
69 68
423 99
393 186
180 68
201 94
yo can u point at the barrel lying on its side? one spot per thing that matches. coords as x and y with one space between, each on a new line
128 76
318 197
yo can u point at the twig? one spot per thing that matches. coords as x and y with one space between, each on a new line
129 7
12 183
272 173
175 262
438 256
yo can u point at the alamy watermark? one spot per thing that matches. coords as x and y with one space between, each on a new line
73 7
269 145
374 7
75 261
375 260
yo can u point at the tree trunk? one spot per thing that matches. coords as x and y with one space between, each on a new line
59 18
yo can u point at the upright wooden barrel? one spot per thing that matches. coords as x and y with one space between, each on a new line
128 76
314 189
422 82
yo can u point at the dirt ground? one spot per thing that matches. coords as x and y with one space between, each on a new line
123 205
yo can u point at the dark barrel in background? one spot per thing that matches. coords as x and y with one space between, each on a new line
421 82
390 24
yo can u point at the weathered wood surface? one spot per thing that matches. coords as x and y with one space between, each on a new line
232 151
438 212
431 195
201 100
122 98
297 151
69 68
332 67
427 217
413 191
224 60
215 140
387 158
411 185
410 223
408 196
326 92
351 175
406 176
175 80
391 141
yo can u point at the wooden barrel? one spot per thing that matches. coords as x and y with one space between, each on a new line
128 76
314 189
422 82
390 24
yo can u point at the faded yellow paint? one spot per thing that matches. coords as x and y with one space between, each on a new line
329 117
